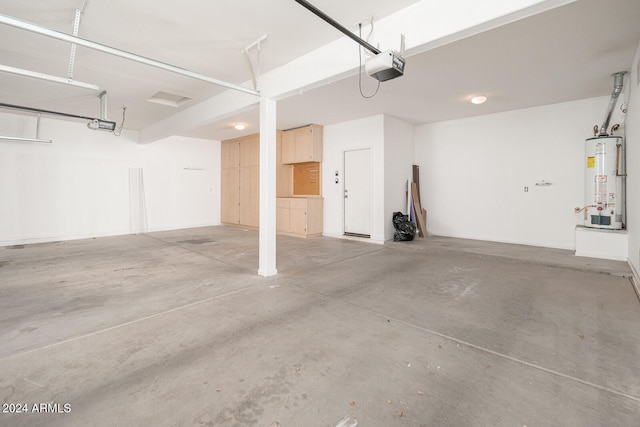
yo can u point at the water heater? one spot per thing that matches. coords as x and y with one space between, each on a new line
603 192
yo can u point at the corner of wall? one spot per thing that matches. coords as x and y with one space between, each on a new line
399 157
80 186
632 143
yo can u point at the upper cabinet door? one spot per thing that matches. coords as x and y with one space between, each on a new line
250 151
229 153
302 145
288 149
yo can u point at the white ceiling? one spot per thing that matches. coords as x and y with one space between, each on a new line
564 54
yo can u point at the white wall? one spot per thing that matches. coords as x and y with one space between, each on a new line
399 150
341 137
473 173
78 186
392 151
633 163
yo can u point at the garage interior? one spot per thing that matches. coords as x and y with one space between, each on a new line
134 294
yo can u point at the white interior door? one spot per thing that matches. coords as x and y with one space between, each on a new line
357 192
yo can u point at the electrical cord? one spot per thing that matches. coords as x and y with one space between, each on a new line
360 73
118 132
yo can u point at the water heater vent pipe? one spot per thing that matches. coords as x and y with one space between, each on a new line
617 88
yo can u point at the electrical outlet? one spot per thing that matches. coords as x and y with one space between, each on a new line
526 189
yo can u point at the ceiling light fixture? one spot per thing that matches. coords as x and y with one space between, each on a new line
478 99
239 126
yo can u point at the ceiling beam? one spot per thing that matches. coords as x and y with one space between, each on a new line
27 26
47 77
422 24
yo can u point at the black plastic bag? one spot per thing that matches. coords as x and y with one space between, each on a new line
405 230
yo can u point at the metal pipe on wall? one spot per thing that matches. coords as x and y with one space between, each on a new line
617 88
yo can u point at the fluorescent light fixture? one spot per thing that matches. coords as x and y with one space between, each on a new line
478 99
47 77
239 126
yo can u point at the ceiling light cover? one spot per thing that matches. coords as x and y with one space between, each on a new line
478 99
169 99
239 126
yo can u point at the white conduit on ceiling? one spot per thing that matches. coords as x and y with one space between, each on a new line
121 53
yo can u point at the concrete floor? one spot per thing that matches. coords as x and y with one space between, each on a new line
176 329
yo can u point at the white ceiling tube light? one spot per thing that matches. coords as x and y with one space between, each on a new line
120 53
47 77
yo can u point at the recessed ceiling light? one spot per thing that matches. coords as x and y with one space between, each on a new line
478 99
239 126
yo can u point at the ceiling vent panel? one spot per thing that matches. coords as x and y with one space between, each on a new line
170 99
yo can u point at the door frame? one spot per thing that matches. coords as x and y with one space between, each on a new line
344 151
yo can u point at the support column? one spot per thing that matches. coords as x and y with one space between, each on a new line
267 248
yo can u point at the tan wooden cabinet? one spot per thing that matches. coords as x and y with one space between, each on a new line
283 217
302 145
240 181
299 216
230 182
240 184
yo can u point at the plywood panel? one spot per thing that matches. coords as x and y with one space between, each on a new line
229 154
250 196
284 173
288 149
250 151
422 227
296 203
318 138
230 202
282 220
304 144
314 216
299 216
298 221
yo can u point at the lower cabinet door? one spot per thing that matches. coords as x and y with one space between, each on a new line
298 221
282 220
